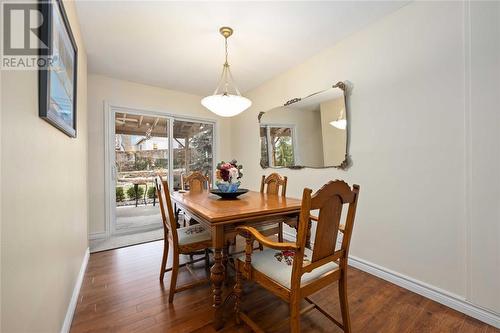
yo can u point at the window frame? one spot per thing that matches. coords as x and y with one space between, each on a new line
110 174
293 130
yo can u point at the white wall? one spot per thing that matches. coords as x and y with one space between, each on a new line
483 152
140 96
1 112
44 203
420 159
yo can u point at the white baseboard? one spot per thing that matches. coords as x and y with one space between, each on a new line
74 297
453 301
444 297
97 235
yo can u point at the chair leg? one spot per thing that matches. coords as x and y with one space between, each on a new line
164 260
344 307
295 314
173 279
237 293
280 233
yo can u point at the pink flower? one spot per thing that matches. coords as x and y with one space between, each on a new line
226 166
233 173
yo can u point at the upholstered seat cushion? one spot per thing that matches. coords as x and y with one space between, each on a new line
277 265
193 234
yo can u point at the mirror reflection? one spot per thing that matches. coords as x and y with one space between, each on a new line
306 132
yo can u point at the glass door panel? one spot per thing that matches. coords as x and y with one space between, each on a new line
141 152
193 149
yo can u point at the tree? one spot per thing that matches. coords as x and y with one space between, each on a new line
201 150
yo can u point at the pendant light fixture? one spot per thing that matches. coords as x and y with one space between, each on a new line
223 102
341 122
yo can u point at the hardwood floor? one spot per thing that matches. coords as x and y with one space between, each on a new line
121 293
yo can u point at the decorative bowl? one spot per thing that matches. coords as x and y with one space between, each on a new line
228 187
229 195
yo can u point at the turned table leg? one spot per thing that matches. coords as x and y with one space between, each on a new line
217 276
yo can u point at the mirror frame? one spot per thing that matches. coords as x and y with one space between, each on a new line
346 163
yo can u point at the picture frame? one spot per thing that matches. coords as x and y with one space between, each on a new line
57 83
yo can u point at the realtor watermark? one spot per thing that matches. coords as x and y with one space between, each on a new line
25 44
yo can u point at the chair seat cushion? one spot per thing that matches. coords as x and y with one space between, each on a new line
277 265
193 234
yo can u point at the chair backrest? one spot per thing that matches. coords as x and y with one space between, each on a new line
167 211
272 183
196 182
329 201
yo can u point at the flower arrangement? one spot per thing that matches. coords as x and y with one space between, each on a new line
227 175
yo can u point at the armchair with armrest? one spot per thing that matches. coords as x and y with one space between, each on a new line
292 271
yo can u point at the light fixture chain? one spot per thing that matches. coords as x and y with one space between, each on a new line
225 44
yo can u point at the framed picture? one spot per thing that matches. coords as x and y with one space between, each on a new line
57 82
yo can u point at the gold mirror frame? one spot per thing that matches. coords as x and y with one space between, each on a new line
347 162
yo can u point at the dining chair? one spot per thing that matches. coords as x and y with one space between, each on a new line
196 181
187 240
291 270
271 185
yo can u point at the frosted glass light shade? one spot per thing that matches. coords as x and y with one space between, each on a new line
339 123
226 105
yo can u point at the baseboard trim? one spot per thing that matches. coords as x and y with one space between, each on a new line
441 296
451 300
97 235
74 297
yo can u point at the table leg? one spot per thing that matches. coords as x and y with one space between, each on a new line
217 276
136 188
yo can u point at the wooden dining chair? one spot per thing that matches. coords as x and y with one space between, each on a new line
187 240
274 184
196 181
292 271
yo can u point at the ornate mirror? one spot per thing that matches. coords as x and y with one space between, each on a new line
311 131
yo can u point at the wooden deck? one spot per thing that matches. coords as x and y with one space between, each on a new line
121 293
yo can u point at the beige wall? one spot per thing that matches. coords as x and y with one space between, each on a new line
410 143
140 96
483 156
44 203
1 112
334 139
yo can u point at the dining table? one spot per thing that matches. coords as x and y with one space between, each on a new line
222 216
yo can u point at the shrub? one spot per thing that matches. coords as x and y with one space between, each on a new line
131 192
151 191
120 194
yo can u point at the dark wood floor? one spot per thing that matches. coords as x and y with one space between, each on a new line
121 293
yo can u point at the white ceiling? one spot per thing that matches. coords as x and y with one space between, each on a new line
176 45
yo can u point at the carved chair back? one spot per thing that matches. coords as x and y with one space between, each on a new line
196 182
272 183
167 211
329 201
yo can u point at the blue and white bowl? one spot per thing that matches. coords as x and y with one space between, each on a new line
228 187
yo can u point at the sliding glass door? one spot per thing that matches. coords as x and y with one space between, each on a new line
193 147
149 144
141 152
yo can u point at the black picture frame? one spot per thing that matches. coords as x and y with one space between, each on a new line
56 112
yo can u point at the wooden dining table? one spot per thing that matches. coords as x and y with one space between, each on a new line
222 216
